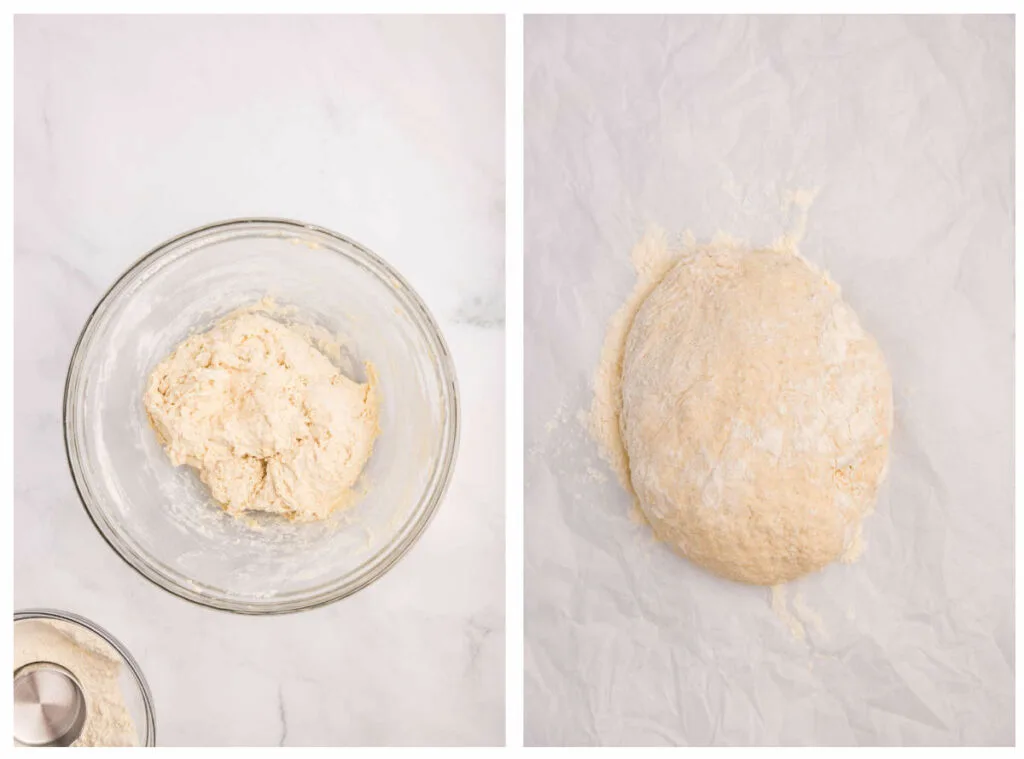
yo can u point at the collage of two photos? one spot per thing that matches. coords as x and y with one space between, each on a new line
264 493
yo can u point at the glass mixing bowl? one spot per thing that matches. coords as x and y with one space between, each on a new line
133 685
161 519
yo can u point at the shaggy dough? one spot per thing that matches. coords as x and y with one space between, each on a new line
96 666
267 420
756 414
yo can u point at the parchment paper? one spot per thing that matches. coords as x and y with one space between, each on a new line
905 127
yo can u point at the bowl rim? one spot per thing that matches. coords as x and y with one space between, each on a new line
24 615
410 532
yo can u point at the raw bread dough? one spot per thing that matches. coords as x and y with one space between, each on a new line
96 666
756 414
267 420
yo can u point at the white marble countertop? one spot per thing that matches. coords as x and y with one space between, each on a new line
131 130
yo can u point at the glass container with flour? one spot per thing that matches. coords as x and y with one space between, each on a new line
76 685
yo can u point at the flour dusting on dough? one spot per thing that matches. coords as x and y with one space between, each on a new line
652 258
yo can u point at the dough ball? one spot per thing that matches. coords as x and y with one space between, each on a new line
756 415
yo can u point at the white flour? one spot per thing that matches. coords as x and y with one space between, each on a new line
97 667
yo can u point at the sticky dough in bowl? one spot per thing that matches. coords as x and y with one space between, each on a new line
160 518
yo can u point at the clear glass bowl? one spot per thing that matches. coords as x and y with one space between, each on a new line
133 685
161 519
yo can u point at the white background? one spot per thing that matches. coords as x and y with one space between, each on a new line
905 126
131 130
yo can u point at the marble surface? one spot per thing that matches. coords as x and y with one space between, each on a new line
131 130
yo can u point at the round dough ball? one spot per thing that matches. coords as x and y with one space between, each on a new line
756 414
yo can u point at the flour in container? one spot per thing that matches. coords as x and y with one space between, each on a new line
96 666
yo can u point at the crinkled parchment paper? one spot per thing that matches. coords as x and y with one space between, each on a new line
904 127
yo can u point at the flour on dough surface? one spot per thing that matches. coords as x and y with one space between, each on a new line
746 410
